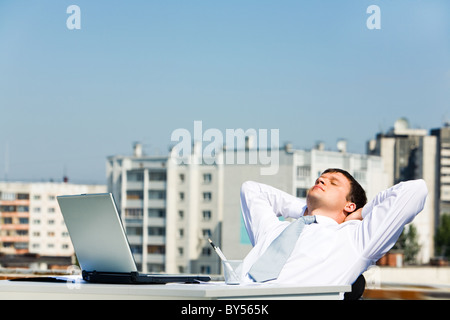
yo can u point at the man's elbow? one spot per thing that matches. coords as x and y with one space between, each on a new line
248 185
419 191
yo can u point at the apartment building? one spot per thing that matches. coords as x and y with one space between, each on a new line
442 189
408 154
170 208
139 186
30 218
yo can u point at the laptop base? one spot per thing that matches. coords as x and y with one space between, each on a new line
136 278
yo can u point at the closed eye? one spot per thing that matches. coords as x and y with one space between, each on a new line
334 182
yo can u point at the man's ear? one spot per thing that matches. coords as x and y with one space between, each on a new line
350 207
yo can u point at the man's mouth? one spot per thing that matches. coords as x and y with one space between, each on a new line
318 187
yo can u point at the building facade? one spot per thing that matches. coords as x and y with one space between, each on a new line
442 185
410 154
30 218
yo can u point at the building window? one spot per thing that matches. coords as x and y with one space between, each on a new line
303 171
207 178
206 251
181 196
206 215
158 176
157 194
8 208
136 249
206 233
7 221
134 231
133 213
137 176
360 176
207 196
23 196
135 195
302 192
205 269
8 196
156 213
21 245
156 231
155 249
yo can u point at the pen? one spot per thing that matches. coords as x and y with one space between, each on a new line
218 251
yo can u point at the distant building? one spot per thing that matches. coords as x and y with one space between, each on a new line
170 208
442 191
411 154
30 218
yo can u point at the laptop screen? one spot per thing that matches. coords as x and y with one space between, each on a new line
97 233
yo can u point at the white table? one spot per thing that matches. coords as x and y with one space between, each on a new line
209 291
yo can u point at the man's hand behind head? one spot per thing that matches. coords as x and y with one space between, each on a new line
356 215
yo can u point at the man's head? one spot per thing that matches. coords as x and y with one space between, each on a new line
336 194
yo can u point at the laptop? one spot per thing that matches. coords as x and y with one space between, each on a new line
101 244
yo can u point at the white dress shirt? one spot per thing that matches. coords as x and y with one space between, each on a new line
328 253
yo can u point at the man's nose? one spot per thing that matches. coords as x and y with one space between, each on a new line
320 181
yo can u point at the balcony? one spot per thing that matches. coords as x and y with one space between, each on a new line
134 239
23 214
155 258
135 203
135 185
14 226
156 222
158 240
14 239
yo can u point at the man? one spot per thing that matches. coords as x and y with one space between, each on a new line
348 236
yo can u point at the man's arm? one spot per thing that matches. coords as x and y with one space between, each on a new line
355 215
262 205
386 215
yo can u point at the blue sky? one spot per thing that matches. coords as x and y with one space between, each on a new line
138 70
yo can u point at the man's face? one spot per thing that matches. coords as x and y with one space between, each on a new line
329 192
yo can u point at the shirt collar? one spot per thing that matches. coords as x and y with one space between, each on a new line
325 220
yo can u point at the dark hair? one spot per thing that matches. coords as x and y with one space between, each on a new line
357 194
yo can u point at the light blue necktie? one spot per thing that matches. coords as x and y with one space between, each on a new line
269 265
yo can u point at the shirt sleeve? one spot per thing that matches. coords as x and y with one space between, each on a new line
386 215
261 206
